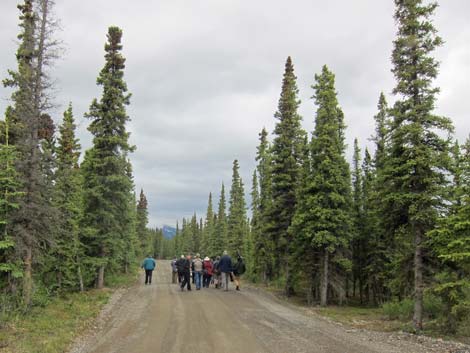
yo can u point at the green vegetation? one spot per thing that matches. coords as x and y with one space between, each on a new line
52 327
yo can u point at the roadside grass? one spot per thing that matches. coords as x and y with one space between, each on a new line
51 329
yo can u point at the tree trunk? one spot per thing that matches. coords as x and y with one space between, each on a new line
324 280
418 262
80 278
100 280
27 277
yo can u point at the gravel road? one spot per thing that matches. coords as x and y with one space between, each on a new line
161 319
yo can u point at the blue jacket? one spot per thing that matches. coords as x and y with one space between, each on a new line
149 264
225 264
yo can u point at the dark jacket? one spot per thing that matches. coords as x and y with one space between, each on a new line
186 266
225 264
179 264
239 267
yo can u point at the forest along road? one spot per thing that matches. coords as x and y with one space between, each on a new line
160 318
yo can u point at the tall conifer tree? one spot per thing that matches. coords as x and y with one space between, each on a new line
322 221
107 184
221 225
68 251
418 160
286 155
236 220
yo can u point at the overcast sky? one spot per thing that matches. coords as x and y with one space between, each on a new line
206 76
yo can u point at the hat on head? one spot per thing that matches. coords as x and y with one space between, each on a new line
225 252
206 259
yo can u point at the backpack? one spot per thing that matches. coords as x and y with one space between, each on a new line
241 268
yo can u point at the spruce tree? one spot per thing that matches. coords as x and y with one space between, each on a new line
450 241
68 252
322 222
207 242
141 224
359 239
221 225
236 220
10 269
418 160
255 230
286 154
106 170
263 244
32 221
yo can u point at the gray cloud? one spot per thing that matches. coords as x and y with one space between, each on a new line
205 78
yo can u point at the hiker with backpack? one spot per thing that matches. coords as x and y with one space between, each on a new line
238 269
208 270
148 265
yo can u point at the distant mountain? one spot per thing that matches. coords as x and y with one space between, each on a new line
168 232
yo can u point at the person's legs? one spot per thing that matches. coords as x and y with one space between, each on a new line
187 280
225 277
198 280
147 276
237 282
173 277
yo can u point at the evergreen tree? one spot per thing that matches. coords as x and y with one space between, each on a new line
450 241
32 220
68 252
107 183
141 224
209 231
221 225
375 207
322 222
255 231
359 239
418 158
10 268
262 242
236 220
286 153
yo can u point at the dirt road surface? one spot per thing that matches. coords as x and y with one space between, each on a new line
161 319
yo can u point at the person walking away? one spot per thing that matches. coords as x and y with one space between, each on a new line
148 265
216 272
186 270
225 268
198 268
179 268
238 269
174 270
208 270
193 277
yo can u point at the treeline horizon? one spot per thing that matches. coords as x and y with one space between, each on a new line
390 227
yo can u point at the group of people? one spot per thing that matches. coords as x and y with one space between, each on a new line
219 271
204 272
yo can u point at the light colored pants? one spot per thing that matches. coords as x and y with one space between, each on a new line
225 280
236 279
